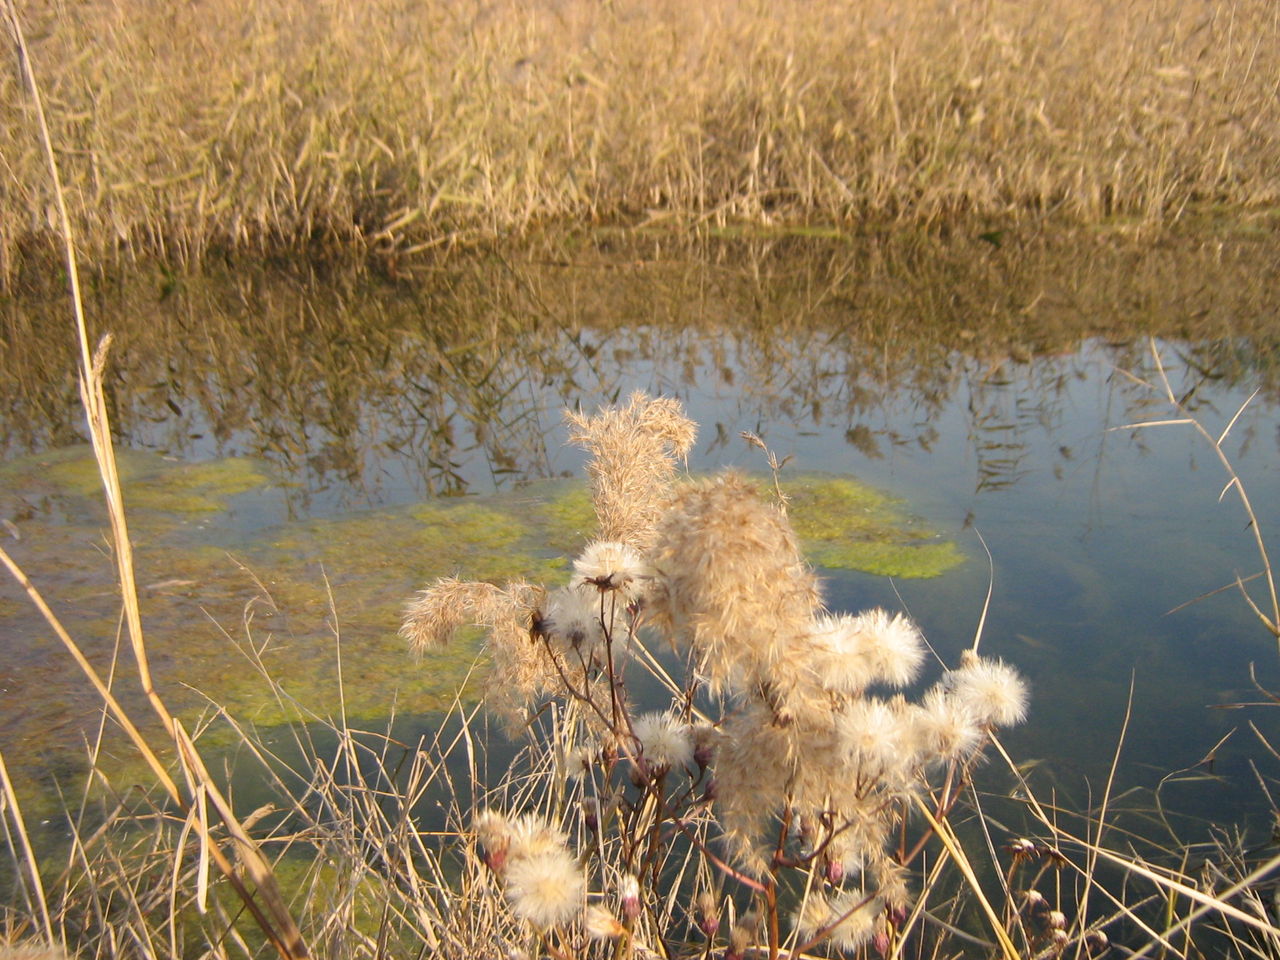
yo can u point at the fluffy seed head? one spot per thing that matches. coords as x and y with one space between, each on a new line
571 619
610 565
839 661
578 762
892 645
990 690
944 729
600 924
860 924
665 741
545 888
871 647
531 836
874 736
633 454
852 911
490 825
507 613
433 617
891 883
735 587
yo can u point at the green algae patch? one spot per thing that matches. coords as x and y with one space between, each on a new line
339 586
486 538
846 525
318 887
430 539
152 484
69 471
564 514
842 525
203 487
300 623
914 561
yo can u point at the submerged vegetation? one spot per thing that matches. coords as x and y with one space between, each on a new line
389 128
799 794
202 573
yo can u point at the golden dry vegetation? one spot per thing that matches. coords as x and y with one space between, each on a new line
390 124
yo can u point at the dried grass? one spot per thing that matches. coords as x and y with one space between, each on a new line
390 127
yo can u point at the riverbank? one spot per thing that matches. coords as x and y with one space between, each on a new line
380 130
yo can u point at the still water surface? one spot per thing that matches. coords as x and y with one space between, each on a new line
306 447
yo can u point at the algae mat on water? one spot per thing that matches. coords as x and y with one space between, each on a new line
846 525
278 620
842 524
159 491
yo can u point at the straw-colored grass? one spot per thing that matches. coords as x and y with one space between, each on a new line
345 867
386 125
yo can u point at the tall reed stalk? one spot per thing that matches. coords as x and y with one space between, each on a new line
250 875
387 128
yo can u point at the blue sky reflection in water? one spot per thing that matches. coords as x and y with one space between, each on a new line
1095 533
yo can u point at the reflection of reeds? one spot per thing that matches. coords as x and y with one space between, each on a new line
195 128
335 380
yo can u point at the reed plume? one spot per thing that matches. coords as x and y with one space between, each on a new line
788 742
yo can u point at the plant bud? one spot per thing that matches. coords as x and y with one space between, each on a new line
638 770
881 943
591 814
739 940
704 746
630 897
1057 920
609 756
834 872
708 914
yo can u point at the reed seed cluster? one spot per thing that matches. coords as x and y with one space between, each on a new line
788 760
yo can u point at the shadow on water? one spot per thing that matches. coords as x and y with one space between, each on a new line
300 446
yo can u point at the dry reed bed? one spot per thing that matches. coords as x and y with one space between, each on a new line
184 127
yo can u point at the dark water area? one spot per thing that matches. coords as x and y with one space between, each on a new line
304 450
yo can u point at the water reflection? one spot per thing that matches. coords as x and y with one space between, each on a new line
978 383
359 391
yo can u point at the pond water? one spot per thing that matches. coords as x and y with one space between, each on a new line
302 450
